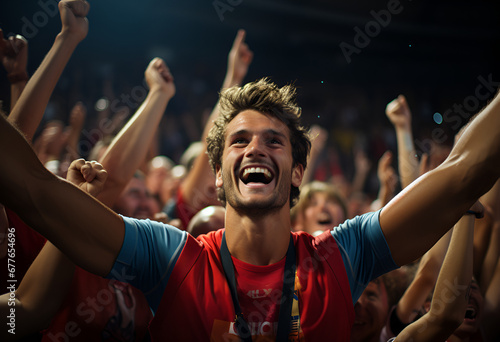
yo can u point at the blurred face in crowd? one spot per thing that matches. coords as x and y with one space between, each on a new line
371 312
136 201
323 213
473 313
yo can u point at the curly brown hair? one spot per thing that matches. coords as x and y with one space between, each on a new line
267 98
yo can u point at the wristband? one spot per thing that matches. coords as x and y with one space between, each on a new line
477 214
16 77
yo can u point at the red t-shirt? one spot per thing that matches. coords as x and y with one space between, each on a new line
197 304
98 309
28 243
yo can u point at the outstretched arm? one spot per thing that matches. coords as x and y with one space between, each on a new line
31 105
451 294
416 218
129 148
14 55
44 286
74 221
199 180
399 114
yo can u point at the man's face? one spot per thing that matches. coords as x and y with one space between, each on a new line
135 201
322 213
371 312
257 170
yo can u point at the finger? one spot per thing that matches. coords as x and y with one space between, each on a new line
240 38
77 164
88 172
18 43
101 175
387 156
423 167
96 165
392 106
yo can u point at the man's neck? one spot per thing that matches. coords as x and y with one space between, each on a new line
258 239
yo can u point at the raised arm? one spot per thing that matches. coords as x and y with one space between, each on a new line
14 55
74 221
129 148
450 297
197 184
417 293
416 218
31 105
319 136
399 114
43 288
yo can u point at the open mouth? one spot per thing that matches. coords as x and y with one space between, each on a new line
470 313
256 175
325 222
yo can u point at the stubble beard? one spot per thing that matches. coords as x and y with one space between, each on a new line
272 204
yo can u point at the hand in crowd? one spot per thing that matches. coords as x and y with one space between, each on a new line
49 145
158 76
386 173
89 176
73 18
319 137
361 162
14 55
399 113
239 59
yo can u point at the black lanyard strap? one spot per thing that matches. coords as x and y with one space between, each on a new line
285 311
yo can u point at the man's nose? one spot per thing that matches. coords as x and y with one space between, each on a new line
256 147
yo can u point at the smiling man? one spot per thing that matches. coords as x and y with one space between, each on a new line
254 279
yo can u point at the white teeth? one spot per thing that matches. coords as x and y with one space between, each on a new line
266 172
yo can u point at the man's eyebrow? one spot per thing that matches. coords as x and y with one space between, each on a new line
240 132
267 132
274 132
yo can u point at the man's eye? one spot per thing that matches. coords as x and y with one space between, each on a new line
239 141
275 141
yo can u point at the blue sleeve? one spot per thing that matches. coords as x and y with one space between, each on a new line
149 252
364 250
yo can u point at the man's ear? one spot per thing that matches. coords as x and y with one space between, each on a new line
218 176
297 174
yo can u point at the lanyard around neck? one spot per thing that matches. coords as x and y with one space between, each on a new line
285 311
